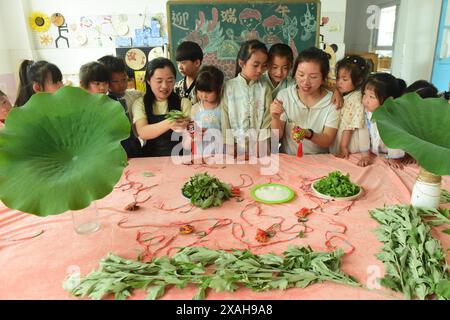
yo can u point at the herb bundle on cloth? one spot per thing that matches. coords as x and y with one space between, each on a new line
206 191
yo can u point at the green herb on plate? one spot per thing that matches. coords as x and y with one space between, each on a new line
337 185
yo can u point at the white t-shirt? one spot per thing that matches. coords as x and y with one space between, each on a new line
323 114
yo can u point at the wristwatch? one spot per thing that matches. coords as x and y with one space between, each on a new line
311 132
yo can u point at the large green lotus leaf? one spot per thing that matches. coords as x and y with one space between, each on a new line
61 151
418 126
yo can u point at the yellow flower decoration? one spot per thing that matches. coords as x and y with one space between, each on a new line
39 21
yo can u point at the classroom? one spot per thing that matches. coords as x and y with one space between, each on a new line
225 150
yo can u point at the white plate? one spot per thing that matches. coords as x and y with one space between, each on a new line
328 197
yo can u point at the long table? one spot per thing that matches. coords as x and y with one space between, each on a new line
38 253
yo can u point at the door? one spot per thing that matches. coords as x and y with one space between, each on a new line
441 67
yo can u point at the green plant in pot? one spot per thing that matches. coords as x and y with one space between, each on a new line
61 151
420 127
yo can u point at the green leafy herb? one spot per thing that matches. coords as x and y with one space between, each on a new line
336 185
414 261
216 269
206 191
176 115
445 196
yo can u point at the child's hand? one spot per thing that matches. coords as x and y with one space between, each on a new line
276 108
407 159
366 160
343 153
394 163
179 125
337 99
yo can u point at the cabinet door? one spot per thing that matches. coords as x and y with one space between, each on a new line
441 67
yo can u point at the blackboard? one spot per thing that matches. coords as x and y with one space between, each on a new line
220 26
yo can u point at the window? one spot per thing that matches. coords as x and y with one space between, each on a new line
383 37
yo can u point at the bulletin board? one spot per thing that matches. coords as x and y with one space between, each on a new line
220 26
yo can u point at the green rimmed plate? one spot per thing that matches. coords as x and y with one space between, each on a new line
272 193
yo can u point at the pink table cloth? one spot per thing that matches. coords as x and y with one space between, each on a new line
34 268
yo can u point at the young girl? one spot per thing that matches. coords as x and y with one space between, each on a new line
5 107
206 113
280 63
306 105
352 136
247 97
149 111
39 76
94 77
376 90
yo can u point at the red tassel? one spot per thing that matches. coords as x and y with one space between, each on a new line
300 150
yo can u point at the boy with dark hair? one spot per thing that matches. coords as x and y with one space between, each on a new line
118 83
189 57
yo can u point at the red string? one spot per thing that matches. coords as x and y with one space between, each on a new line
331 247
243 185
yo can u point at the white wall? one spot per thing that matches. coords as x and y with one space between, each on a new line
415 43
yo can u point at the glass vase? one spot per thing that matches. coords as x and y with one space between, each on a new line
87 220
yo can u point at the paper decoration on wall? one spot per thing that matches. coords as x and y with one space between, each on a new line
114 30
57 19
121 29
156 53
80 39
332 27
139 79
61 29
135 59
39 21
45 39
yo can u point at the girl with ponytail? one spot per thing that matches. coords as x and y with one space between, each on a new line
39 76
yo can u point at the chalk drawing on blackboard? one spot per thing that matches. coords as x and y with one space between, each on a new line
273 26
250 19
220 28
290 30
308 22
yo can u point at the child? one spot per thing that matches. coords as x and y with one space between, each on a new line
149 111
376 90
94 77
247 97
189 57
39 76
423 88
280 63
118 83
352 136
5 107
206 113
307 106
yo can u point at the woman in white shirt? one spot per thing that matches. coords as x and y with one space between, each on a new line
306 105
